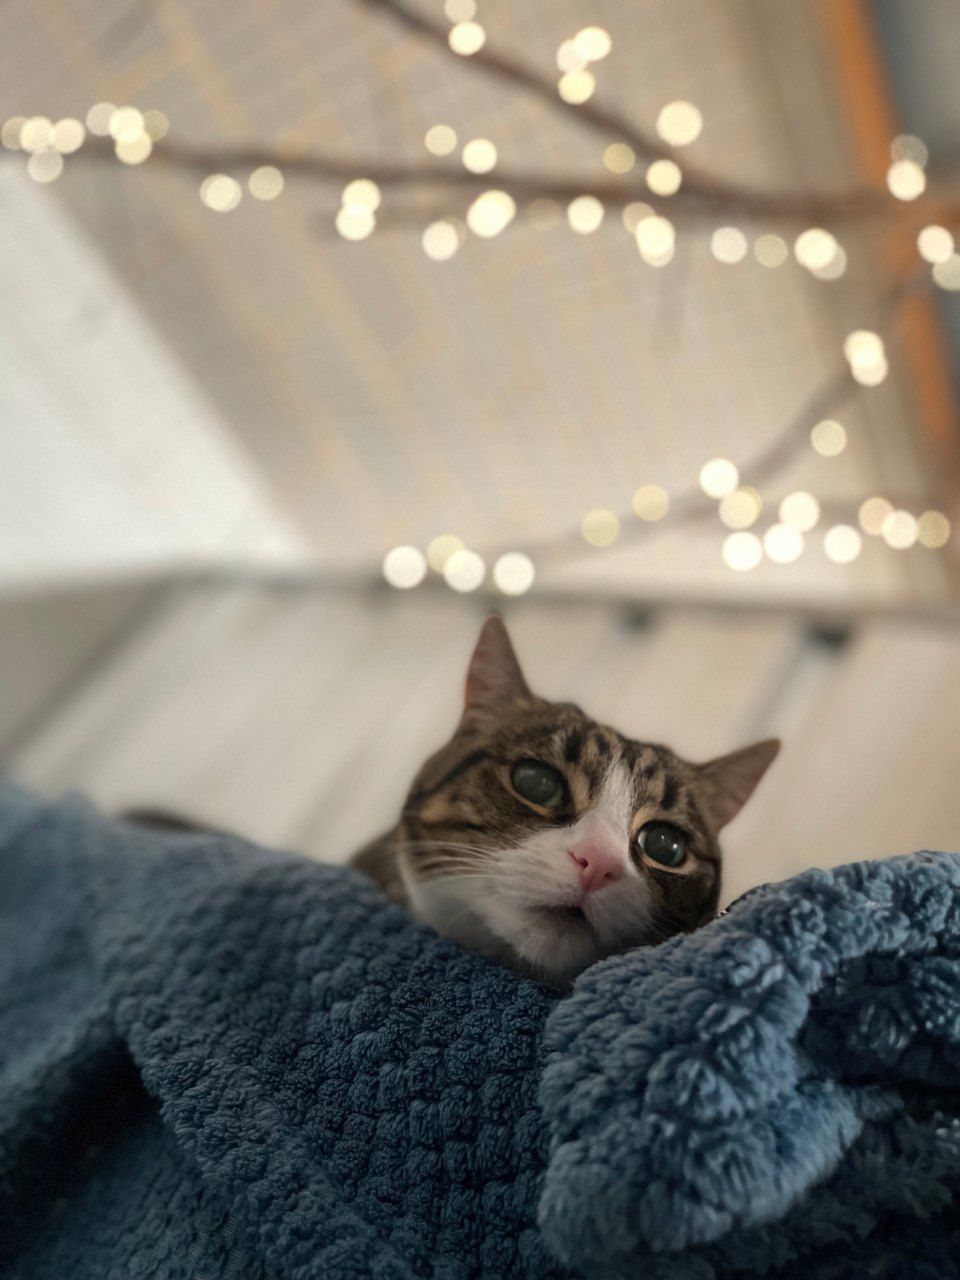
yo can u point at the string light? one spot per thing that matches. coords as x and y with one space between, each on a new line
771 251
45 166
935 244
728 245
664 177
933 529
741 508
440 139
441 548
815 248
155 124
742 551
872 514
634 213
361 193
828 438
220 192
842 544
801 510
783 543
576 87
947 274
491 213
10 133
593 43
899 530
479 155
68 136
266 182
679 123
619 158
440 240
719 477
569 57
543 214
650 502
126 124
354 222
404 567
585 214
600 527
467 38
133 150
834 268
99 117
866 356
36 134
513 573
906 180
464 571
655 239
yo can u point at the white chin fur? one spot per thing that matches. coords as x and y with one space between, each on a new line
506 915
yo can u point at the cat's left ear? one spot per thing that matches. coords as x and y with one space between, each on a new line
733 779
494 676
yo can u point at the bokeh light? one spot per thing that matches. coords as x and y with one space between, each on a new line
741 508
600 527
220 192
36 134
441 548
404 567
655 238
872 514
576 87
906 180
479 155
815 248
801 510
742 551
440 240
464 570
266 182
933 529
899 530
593 43
679 123
491 213
440 139
133 150
619 158
771 250
783 543
935 244
842 544
513 573
45 166
651 502
728 245
664 177
99 117
719 477
947 273
68 136
361 193
467 38
829 438
126 124
585 213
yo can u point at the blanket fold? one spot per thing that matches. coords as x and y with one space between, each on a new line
221 1061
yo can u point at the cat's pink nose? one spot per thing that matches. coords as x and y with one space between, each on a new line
598 866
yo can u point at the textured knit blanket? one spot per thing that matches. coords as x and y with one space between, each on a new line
217 1061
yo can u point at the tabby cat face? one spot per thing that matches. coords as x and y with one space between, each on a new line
547 841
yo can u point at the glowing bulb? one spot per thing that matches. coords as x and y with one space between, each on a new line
783 543
10 134
935 244
655 238
491 213
441 548
947 274
634 213
815 248
576 86
741 508
801 510
600 527
585 213
155 124
771 251
828 438
718 477
619 158
906 180
460 10
355 223
933 529
543 214
728 245
134 149
220 192
842 544
899 530
650 502
569 57
265 183
742 551
440 240
404 567
906 146
467 38
865 353
513 573
440 139
45 166
679 123
126 124
834 268
593 43
36 134
99 117
361 193
872 514
479 155
664 177
68 136
464 571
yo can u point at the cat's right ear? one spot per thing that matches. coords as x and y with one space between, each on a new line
494 676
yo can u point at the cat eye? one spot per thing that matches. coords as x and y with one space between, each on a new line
539 783
664 843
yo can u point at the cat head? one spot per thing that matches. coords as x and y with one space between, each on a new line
547 841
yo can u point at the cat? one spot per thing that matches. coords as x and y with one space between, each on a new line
546 841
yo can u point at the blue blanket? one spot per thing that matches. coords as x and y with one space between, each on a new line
217 1061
